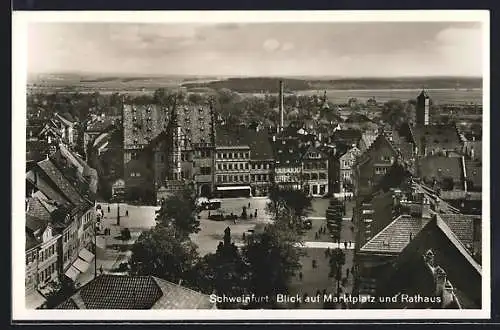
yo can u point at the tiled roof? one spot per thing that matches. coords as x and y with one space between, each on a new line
462 226
439 167
120 292
442 136
347 136
34 224
42 183
134 292
396 236
68 304
142 123
61 182
232 137
178 297
288 152
100 125
441 224
260 147
38 210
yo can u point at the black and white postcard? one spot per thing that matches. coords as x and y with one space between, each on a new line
251 165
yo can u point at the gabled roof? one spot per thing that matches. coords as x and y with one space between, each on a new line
396 236
288 152
68 190
37 209
232 137
347 135
135 292
43 183
436 136
439 167
260 147
462 227
35 224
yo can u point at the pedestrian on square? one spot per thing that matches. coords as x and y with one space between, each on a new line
243 236
300 276
350 243
248 204
314 264
101 270
109 210
345 245
255 215
126 213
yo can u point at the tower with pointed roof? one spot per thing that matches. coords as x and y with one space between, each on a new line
423 108
325 105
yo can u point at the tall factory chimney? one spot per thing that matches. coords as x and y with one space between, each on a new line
281 108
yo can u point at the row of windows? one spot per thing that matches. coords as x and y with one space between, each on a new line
205 170
260 166
233 166
233 155
46 253
315 165
380 170
47 272
233 178
315 189
347 163
69 235
260 177
31 256
135 174
315 176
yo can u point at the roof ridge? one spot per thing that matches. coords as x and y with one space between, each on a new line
441 224
383 230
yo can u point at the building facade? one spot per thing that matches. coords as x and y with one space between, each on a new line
346 163
315 172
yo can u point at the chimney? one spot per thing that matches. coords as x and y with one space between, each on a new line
426 208
281 107
440 280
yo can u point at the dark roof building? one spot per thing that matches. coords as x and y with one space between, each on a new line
434 264
137 293
431 139
437 168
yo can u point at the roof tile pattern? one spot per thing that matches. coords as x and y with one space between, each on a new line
135 292
396 236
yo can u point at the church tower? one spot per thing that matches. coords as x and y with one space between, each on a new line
423 108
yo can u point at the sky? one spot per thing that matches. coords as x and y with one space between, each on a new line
368 49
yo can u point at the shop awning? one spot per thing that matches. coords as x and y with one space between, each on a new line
86 255
81 265
72 273
233 188
34 300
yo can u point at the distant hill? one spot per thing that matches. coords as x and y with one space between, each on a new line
271 85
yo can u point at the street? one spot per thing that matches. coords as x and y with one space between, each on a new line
140 218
